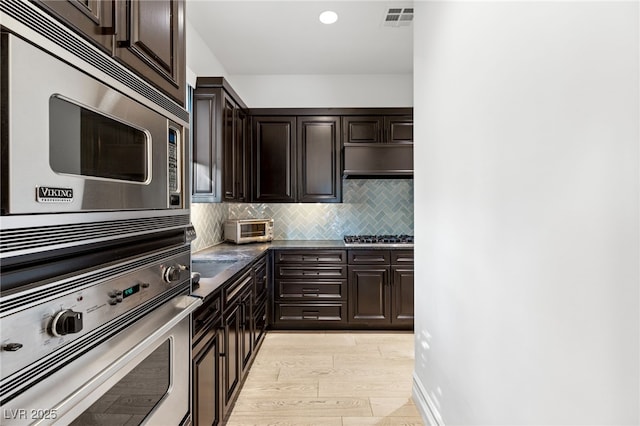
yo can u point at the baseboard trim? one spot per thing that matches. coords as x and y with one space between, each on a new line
425 405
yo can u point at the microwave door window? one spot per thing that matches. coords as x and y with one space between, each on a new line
85 143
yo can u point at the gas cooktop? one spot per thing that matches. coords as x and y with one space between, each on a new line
378 240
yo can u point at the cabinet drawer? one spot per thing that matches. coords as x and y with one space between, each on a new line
312 312
311 290
369 257
232 291
402 257
260 284
311 256
308 272
206 315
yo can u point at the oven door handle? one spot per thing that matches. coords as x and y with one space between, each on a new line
70 406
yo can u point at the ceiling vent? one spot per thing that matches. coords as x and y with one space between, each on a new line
398 17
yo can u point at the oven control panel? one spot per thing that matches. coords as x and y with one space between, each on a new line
28 335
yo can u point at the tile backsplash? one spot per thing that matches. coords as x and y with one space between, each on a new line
370 206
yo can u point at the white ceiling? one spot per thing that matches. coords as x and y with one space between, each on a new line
286 37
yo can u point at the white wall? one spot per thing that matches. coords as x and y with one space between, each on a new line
300 91
200 60
527 194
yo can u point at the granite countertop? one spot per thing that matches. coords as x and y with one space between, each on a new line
218 264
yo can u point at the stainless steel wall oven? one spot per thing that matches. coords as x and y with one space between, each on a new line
94 236
98 336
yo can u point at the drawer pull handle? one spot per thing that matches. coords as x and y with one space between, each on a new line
310 315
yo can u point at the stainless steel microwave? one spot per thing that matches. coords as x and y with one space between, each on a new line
73 143
242 231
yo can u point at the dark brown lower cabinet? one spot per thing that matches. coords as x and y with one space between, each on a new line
245 330
227 332
310 289
259 307
206 364
369 295
343 289
206 383
259 322
402 286
381 289
311 315
230 353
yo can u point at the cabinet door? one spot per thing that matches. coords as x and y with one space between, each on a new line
93 19
228 150
274 153
231 355
402 285
246 330
206 384
319 160
361 129
260 279
259 323
150 40
369 295
241 156
206 152
399 129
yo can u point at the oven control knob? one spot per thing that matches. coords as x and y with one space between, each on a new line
66 322
172 273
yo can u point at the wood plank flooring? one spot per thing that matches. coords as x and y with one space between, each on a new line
329 379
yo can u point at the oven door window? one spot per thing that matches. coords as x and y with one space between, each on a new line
252 229
133 398
85 143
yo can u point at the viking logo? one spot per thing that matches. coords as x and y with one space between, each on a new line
45 194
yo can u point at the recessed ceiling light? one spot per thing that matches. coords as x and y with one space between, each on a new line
328 17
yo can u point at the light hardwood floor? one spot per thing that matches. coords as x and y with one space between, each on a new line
338 379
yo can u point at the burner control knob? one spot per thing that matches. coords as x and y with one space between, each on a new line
66 322
172 273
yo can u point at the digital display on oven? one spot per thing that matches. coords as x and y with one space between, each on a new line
131 290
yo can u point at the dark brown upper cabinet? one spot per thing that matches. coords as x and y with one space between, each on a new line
273 159
297 159
207 150
367 129
146 36
92 18
234 152
220 143
399 129
377 129
319 176
378 145
151 42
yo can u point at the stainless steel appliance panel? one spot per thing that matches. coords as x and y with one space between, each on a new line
100 296
44 151
66 393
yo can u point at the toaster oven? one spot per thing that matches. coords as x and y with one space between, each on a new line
241 231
